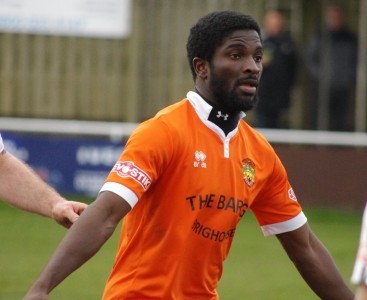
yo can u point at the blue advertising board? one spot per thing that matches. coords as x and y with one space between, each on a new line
75 165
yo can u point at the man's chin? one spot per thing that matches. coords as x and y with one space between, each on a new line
249 102
235 103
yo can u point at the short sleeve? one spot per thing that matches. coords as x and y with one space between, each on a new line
144 157
276 208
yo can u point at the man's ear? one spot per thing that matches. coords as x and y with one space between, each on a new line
200 67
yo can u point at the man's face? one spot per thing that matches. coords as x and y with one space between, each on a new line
334 18
235 70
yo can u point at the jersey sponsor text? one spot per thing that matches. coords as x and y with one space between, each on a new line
212 234
129 169
222 202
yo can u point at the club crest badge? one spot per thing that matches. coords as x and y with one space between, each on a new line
248 171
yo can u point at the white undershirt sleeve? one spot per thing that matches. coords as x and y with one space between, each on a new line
285 226
128 195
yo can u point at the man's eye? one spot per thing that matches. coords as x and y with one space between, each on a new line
235 56
258 58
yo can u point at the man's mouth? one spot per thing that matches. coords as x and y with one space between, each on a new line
249 86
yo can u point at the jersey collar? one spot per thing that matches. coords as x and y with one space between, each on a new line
203 110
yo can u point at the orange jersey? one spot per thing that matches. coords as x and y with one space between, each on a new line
189 186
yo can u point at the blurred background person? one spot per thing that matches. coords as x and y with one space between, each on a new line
331 59
279 73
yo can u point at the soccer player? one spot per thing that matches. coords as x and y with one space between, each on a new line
187 177
22 188
359 276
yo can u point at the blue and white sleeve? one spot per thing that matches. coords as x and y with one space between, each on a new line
1 144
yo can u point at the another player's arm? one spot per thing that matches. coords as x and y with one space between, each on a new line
315 264
21 187
82 241
361 292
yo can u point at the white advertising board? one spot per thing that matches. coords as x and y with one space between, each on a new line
92 18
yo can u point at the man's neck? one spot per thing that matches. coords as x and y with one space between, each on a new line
221 117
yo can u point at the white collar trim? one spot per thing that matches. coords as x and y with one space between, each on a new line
202 107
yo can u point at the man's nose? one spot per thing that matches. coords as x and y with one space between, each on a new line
251 66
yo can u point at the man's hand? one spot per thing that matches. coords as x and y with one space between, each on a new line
67 212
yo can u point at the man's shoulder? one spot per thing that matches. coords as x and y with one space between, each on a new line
253 136
168 118
173 109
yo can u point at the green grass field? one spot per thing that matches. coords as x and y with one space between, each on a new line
257 267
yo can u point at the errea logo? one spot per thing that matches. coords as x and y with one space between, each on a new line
128 169
200 159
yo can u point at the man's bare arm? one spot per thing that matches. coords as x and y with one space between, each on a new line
21 187
82 241
315 264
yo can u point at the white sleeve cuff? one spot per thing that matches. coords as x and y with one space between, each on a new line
285 226
128 195
359 273
1 144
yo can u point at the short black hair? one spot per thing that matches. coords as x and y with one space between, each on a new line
211 30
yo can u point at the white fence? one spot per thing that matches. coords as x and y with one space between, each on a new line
117 130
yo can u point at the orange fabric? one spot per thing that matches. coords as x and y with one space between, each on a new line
191 197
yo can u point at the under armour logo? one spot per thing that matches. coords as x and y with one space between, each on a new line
225 117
